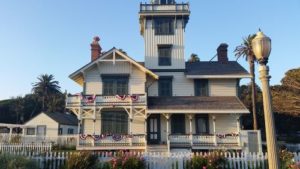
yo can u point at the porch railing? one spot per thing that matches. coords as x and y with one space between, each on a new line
99 100
134 140
203 140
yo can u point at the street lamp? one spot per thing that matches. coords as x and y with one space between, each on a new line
261 46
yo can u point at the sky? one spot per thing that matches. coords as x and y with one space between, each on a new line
53 37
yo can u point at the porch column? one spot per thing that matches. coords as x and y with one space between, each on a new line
168 141
130 126
238 130
191 130
79 127
214 130
10 133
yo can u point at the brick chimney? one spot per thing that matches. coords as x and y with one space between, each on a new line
222 53
95 48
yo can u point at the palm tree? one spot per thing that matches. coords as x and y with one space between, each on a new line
245 50
194 58
45 88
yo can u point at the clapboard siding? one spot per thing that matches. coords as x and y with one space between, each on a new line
181 85
226 124
93 80
222 87
138 125
42 119
151 42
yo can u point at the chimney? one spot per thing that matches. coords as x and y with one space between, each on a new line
95 48
222 53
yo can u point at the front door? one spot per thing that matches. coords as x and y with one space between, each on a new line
41 131
153 129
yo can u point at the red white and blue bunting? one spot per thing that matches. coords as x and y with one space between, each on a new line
223 136
134 97
115 137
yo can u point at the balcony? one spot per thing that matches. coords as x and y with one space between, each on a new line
170 8
110 101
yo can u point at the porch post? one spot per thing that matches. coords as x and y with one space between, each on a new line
191 130
130 126
10 133
168 141
238 130
79 127
214 130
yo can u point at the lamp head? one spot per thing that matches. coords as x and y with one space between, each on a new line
261 47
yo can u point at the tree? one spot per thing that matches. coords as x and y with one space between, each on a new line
194 58
286 97
245 50
45 89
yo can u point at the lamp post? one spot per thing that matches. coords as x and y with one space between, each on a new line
261 46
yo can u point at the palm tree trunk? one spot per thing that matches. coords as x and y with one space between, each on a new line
253 89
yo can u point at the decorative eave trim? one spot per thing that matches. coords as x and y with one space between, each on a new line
234 111
217 76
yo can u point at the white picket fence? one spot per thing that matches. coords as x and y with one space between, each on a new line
37 147
53 160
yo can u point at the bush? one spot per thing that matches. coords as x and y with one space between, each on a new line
212 161
8 161
81 160
128 161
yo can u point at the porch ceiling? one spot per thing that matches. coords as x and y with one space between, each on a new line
194 104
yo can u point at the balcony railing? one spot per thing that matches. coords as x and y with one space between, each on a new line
184 7
99 100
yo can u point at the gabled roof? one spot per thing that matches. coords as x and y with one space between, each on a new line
78 74
197 104
230 69
64 118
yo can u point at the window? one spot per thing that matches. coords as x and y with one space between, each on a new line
165 2
164 26
60 131
178 124
114 122
70 131
30 131
165 86
164 55
201 87
113 85
202 126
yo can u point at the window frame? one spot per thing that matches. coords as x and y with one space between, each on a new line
70 131
119 120
164 26
28 133
201 85
206 119
164 55
178 124
115 85
162 89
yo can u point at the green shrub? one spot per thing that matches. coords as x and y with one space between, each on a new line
286 159
8 161
212 161
127 161
81 160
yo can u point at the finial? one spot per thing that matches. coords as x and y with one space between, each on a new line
96 39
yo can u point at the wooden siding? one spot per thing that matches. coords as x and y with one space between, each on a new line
93 80
181 85
42 119
226 124
151 42
66 127
222 87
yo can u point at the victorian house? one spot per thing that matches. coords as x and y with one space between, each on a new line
163 103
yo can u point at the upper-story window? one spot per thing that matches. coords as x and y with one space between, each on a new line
115 85
164 55
164 26
165 86
201 87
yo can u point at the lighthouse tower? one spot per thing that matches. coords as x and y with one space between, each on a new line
162 24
